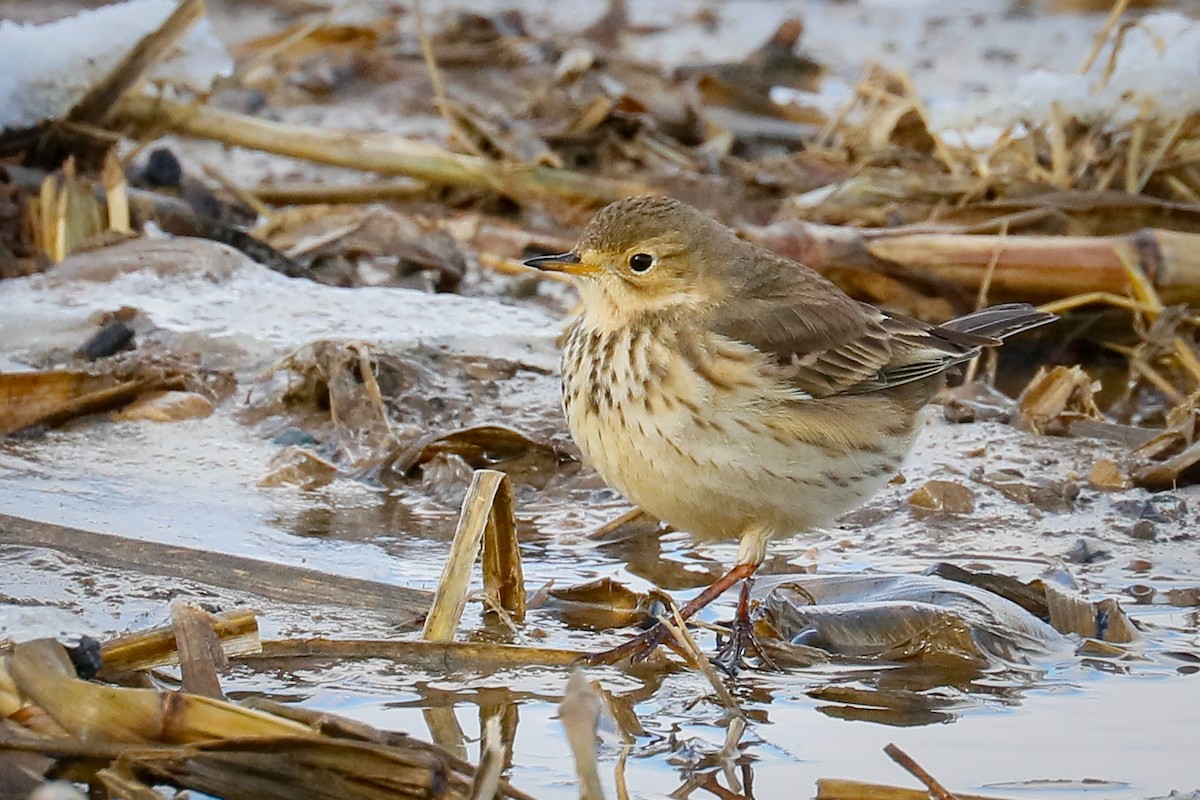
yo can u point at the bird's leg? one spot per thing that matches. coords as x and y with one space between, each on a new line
752 551
642 645
741 636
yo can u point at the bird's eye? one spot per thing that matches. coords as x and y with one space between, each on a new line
640 262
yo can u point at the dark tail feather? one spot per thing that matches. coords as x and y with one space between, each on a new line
990 326
938 348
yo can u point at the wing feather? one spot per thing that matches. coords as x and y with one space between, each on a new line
827 344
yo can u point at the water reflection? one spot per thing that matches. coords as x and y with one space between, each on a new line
378 517
674 728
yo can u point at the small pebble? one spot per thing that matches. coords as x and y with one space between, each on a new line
115 336
167 407
944 496
1107 476
573 63
295 466
1160 508
1144 530
85 657
294 436
1087 551
523 287
162 169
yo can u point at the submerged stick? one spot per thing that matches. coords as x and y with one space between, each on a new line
842 789
447 656
676 626
380 153
255 577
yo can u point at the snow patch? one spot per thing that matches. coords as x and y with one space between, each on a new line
46 69
1157 70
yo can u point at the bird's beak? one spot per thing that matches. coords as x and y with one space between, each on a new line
569 263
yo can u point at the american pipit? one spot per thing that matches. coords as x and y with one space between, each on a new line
735 393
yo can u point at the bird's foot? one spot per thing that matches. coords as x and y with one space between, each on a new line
636 649
729 658
643 645
741 637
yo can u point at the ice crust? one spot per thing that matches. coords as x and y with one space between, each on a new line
46 69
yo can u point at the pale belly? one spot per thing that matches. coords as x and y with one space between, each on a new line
704 461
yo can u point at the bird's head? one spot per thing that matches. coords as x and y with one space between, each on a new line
648 255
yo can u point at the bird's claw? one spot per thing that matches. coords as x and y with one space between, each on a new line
729 657
741 636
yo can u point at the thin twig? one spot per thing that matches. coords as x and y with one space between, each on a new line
1114 16
1142 286
1160 152
676 626
155 130
825 138
98 104
981 298
1186 354
622 786
1156 379
1110 65
296 36
1060 159
986 285
245 195
913 768
380 153
1137 140
1182 190
298 194
440 101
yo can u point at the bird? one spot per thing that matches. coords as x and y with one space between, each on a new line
738 394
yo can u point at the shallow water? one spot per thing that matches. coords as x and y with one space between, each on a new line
1127 723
